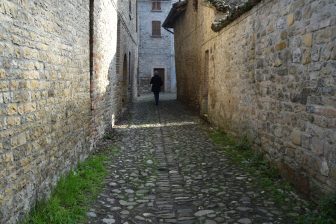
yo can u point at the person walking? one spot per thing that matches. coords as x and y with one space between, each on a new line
156 83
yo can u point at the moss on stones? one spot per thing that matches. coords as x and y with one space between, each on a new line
231 10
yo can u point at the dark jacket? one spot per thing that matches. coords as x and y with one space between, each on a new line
156 83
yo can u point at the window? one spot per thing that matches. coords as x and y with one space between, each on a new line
156 5
156 28
195 4
136 16
130 9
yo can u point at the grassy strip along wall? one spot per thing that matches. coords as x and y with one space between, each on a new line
268 177
73 194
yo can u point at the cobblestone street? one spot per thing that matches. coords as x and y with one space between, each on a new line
169 171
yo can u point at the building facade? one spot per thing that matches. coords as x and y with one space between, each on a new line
265 69
156 46
67 70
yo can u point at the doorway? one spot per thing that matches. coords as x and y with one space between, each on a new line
124 80
161 72
205 86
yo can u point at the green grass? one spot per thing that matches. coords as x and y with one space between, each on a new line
268 177
73 194
240 152
108 136
324 214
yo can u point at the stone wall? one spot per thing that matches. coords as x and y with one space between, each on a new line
128 46
271 76
110 89
49 118
155 52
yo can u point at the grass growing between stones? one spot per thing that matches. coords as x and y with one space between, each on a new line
324 214
268 177
73 194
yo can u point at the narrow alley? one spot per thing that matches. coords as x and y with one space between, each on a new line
245 84
169 171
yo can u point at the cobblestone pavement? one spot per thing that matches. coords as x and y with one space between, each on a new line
168 171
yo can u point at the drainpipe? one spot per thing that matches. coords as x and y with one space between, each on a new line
168 30
91 28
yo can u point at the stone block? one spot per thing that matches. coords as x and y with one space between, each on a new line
13 121
317 146
280 46
26 108
324 169
290 19
306 141
307 13
326 111
280 24
297 55
31 74
326 53
2 74
284 35
306 57
9 8
315 54
4 86
11 109
323 35
277 62
296 137
8 157
308 40
22 96
333 53
33 84
18 140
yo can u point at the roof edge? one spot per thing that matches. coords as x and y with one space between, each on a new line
231 13
177 9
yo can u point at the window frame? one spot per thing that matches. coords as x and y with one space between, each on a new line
130 9
156 6
156 28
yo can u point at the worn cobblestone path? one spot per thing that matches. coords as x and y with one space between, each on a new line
168 171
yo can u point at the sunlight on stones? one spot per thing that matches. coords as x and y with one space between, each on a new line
244 130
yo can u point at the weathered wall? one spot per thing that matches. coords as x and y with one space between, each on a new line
155 52
112 40
127 46
45 98
49 118
271 76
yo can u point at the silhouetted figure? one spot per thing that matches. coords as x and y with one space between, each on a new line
156 86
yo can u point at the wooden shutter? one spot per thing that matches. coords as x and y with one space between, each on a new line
156 5
156 28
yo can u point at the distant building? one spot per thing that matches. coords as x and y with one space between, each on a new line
156 46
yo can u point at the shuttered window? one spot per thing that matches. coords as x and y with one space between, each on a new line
156 5
156 28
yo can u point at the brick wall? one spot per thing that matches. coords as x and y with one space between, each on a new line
49 118
271 76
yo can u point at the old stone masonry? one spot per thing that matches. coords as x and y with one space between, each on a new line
168 171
